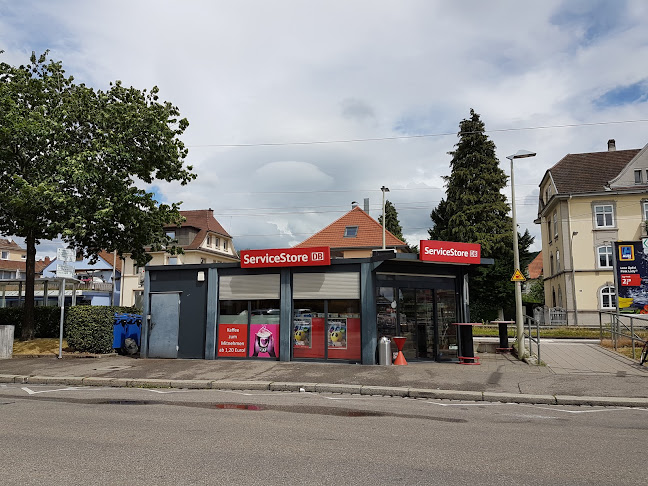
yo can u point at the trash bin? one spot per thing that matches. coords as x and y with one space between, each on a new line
384 351
6 340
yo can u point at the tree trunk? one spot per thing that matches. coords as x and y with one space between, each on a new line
30 275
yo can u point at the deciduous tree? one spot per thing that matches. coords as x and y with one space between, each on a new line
73 161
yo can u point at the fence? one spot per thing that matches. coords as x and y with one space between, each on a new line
624 326
550 316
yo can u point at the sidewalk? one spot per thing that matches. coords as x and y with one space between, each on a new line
615 381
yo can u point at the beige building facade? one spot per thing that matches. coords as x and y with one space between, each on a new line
587 202
202 239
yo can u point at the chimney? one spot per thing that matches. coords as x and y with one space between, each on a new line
366 205
611 145
354 204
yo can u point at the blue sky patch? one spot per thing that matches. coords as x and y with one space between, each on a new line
596 18
624 95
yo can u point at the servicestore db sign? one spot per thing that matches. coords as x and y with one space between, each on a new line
449 251
286 257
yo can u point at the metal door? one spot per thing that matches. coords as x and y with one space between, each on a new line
165 324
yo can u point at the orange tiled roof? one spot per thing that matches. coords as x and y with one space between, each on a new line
535 267
203 220
369 233
110 258
9 245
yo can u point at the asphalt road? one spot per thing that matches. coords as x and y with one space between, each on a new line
59 435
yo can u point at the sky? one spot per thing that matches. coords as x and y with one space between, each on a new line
298 108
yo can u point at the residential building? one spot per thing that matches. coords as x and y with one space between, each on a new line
588 201
533 273
96 279
354 235
202 239
12 259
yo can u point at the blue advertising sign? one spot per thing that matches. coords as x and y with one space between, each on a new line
631 277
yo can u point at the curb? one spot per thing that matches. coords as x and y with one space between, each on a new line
405 392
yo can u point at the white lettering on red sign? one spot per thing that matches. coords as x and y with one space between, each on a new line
449 251
286 257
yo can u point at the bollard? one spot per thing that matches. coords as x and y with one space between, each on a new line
6 340
400 342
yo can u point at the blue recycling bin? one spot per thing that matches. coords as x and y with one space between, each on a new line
126 326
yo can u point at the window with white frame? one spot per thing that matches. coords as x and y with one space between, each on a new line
209 241
608 298
645 210
638 176
558 260
604 215
549 231
217 243
4 255
604 256
555 223
225 245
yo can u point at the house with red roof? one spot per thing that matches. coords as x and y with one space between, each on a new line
354 235
202 239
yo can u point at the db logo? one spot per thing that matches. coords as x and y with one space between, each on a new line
473 253
317 256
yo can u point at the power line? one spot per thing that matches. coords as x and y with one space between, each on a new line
410 137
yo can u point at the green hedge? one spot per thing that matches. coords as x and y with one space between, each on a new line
46 320
90 328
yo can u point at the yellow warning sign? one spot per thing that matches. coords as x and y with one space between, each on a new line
518 277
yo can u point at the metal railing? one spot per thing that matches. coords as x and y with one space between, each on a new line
623 326
532 324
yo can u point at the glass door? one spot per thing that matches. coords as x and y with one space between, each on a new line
407 322
446 316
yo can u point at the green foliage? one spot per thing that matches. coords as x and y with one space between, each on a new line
476 211
392 224
536 293
90 328
46 320
73 161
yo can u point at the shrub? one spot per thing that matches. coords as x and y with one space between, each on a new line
90 328
46 320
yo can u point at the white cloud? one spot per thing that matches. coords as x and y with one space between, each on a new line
254 72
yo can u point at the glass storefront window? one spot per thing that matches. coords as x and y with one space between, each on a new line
248 329
327 329
308 329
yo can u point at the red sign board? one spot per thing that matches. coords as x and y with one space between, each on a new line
232 340
449 251
630 279
287 257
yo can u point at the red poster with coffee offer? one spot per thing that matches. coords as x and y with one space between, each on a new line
232 340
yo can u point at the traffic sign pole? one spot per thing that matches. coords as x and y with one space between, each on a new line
61 323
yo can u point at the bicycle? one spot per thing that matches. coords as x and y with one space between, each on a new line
644 354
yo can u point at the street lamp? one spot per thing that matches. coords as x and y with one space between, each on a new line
384 190
520 154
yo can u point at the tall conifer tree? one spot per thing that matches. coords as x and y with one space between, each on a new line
476 211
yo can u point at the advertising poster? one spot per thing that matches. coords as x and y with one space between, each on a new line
632 276
302 332
264 340
232 340
337 333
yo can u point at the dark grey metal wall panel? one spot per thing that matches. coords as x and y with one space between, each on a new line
285 319
368 327
212 312
193 306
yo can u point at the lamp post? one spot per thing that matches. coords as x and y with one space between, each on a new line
519 319
384 190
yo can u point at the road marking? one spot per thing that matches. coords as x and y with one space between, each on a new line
72 388
164 391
